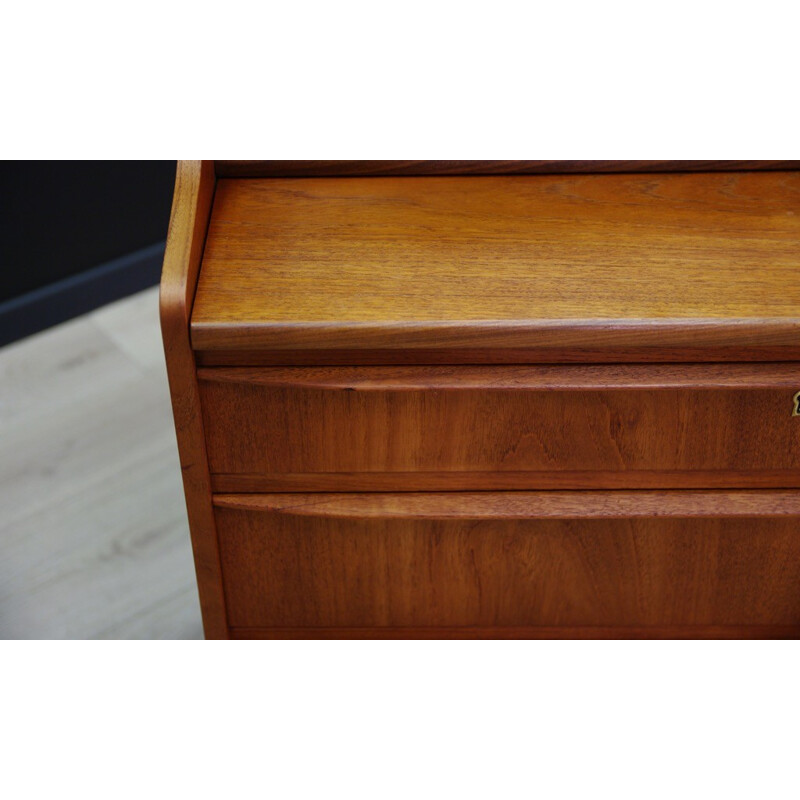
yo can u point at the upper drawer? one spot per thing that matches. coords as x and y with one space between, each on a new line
427 428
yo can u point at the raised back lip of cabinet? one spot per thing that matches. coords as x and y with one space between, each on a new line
553 267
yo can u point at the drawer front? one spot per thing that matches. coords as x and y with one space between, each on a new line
519 559
429 428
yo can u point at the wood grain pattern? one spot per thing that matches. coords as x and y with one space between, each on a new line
541 632
315 169
530 267
194 191
479 560
539 422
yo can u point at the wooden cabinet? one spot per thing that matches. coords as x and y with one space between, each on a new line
553 403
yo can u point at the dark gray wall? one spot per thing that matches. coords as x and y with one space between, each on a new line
77 234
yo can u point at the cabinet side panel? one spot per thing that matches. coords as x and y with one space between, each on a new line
191 209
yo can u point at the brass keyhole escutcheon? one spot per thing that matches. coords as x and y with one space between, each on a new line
796 407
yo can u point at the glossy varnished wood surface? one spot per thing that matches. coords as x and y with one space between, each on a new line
533 267
194 191
480 560
502 427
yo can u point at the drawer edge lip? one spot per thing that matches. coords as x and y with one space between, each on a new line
527 632
502 356
485 340
343 482
744 376
589 504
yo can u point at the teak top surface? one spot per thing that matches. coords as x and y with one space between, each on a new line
479 261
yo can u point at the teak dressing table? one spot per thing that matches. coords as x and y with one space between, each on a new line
489 399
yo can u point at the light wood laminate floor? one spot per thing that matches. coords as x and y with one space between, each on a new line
93 535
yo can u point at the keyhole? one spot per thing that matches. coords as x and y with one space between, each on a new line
796 409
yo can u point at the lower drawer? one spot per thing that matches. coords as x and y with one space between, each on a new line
508 560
